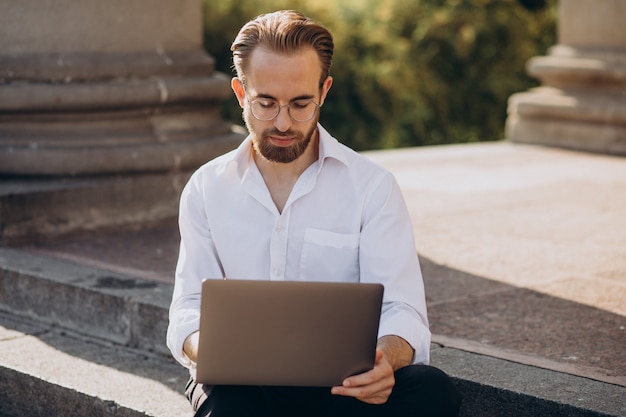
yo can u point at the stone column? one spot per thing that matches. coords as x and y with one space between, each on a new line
106 107
581 103
107 87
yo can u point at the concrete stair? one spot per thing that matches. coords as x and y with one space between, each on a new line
78 340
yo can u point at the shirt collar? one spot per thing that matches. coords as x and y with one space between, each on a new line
330 147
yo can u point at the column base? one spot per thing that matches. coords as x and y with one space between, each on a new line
582 105
103 120
41 209
579 120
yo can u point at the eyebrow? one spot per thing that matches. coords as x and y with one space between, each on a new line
301 97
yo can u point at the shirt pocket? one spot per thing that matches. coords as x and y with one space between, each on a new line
330 256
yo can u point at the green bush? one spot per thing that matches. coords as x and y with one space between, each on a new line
410 72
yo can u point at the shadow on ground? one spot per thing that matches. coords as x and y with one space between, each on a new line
471 312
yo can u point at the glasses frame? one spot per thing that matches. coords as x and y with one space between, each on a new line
280 107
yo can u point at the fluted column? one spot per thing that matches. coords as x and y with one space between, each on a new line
581 103
107 87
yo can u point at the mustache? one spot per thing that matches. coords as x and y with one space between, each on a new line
276 132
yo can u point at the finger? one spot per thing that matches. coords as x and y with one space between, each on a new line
368 377
373 386
374 394
377 391
379 356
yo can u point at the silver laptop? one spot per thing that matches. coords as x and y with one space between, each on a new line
286 333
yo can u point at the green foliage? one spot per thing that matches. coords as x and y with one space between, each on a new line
410 72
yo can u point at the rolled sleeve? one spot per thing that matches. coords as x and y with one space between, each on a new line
401 320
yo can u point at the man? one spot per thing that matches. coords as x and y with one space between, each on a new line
292 203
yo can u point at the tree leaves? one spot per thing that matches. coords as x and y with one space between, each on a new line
412 72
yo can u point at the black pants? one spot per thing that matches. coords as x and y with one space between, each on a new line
420 390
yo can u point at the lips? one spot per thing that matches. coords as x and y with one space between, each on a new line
281 140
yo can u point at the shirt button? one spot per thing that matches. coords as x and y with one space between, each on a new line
279 228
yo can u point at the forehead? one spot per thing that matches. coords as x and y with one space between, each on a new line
283 76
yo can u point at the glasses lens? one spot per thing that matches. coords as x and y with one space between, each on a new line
302 110
299 110
264 109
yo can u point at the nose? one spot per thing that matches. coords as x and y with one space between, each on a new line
283 121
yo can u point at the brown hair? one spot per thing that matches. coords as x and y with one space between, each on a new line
284 31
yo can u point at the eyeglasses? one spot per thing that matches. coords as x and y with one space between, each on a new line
265 109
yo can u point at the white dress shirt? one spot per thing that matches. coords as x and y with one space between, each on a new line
345 220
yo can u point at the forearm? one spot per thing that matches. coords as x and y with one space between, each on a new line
190 347
397 351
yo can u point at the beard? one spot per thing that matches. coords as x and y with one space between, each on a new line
281 154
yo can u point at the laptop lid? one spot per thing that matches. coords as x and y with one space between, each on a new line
287 333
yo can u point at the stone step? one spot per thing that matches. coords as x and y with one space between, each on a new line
118 308
48 371
94 340
35 209
499 388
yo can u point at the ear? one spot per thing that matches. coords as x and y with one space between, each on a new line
240 92
328 82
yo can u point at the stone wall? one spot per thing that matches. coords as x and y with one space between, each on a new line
92 87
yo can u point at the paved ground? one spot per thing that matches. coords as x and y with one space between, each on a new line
523 252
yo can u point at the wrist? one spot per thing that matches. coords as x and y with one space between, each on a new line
397 351
190 347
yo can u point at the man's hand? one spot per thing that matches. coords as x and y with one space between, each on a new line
374 386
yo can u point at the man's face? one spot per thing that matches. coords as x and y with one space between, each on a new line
285 79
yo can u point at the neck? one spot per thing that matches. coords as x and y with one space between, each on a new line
281 177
